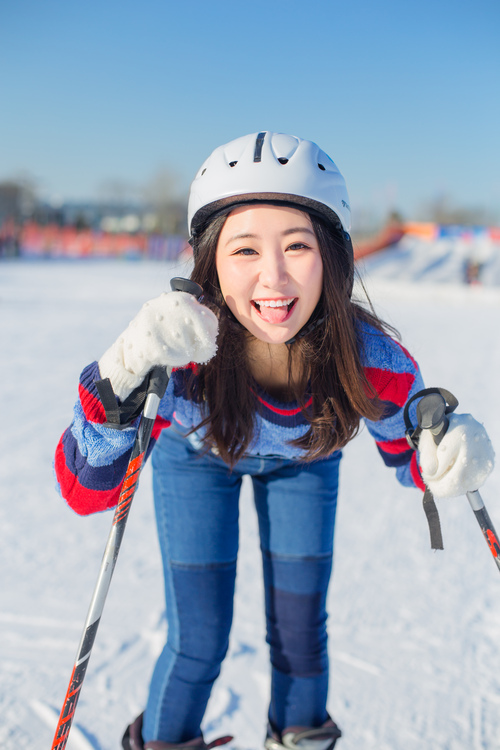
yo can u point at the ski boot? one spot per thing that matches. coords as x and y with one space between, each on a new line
303 738
132 740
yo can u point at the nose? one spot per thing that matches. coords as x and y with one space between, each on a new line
273 271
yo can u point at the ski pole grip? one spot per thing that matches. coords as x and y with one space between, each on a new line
432 410
178 284
431 415
158 381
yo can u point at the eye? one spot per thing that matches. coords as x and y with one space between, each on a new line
245 251
298 246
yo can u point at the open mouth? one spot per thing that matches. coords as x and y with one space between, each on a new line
275 310
273 303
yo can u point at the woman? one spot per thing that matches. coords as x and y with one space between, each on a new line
277 392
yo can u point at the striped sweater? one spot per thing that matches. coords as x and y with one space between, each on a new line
91 459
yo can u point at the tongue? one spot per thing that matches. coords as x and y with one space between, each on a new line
274 314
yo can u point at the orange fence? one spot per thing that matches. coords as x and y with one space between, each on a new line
430 231
52 241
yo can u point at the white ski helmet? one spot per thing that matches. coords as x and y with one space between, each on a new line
269 167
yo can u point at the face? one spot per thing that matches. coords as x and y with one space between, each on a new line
270 270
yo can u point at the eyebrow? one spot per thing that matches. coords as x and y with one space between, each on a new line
249 235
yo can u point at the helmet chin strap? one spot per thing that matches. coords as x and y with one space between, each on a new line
306 329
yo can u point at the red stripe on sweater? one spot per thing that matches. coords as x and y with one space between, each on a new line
283 412
394 446
82 500
390 386
191 366
159 425
415 473
92 406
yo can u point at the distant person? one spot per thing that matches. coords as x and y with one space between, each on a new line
288 366
472 272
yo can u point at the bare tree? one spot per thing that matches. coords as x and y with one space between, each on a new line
163 194
443 210
18 198
118 192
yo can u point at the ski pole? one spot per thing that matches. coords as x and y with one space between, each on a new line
484 521
432 409
157 385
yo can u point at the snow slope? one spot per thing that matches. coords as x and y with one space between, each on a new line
443 261
414 634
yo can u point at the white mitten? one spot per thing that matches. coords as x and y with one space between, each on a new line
461 462
172 329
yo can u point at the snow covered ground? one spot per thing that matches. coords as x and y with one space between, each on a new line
414 634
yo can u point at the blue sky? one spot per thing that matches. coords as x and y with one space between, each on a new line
404 96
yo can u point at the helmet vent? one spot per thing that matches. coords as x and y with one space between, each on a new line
233 163
257 156
203 172
282 160
321 167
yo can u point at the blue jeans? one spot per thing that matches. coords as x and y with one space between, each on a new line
196 500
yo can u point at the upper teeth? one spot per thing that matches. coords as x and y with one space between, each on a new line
274 302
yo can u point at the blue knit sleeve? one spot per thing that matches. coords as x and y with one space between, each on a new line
91 459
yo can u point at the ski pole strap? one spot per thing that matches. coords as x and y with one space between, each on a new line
119 416
432 515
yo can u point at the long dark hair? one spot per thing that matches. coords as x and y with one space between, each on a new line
329 357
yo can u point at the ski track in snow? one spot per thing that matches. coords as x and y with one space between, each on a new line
414 634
